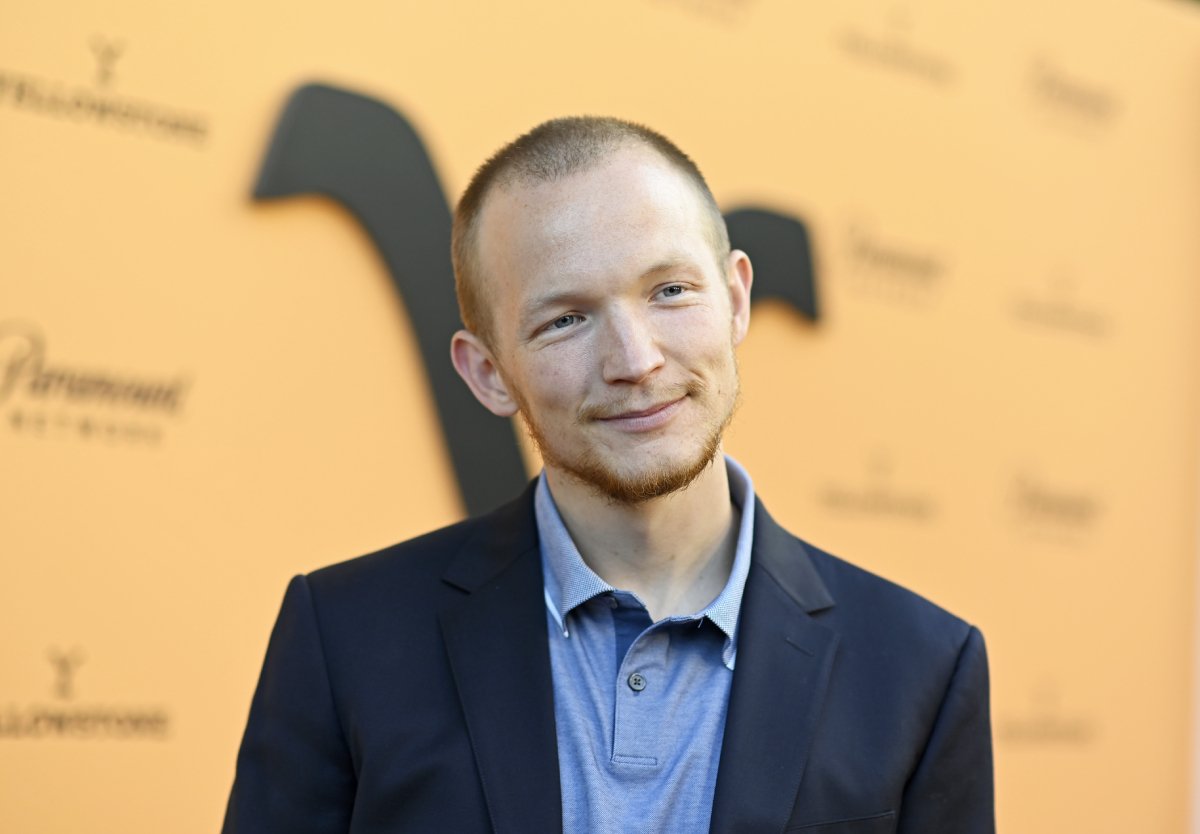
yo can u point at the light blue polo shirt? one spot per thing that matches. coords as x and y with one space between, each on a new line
639 705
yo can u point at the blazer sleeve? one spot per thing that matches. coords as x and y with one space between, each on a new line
294 770
951 789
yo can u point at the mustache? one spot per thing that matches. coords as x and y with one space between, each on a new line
644 400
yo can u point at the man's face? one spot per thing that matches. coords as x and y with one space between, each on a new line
615 322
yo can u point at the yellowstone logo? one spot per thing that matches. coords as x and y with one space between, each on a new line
879 495
362 153
100 105
64 719
65 664
1047 721
106 54
1058 306
893 47
43 398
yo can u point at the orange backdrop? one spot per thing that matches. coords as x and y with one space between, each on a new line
201 395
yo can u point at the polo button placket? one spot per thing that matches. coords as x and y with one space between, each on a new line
638 717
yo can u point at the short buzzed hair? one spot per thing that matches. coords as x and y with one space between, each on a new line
551 151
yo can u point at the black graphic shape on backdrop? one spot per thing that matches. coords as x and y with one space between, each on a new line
778 248
365 155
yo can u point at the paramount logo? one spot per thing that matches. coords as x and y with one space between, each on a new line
45 399
25 372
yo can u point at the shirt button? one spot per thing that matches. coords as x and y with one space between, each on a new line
636 682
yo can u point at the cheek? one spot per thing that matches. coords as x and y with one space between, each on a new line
716 360
557 384
707 340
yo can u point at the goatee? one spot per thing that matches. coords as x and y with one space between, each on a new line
591 468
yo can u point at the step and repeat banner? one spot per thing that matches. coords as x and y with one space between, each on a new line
973 369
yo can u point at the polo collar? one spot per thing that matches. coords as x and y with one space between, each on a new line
569 582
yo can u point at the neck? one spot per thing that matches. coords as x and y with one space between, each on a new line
674 552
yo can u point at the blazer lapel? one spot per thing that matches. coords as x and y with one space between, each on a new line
497 644
784 658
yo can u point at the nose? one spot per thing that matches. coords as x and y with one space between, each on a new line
631 349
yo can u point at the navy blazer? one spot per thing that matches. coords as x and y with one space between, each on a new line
410 691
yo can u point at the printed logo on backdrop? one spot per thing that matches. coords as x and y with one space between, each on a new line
64 714
888 268
45 397
1052 510
891 44
1071 99
1058 307
99 103
1046 721
376 165
879 493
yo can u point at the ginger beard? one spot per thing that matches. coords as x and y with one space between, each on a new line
597 252
659 478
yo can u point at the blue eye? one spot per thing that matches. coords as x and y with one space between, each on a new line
672 291
564 321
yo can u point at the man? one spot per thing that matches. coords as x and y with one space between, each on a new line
633 644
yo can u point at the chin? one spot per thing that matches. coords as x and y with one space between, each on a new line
645 483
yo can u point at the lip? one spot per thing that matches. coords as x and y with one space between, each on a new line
645 420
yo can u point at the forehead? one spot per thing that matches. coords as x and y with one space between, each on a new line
614 220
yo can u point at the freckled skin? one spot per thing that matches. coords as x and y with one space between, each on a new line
615 325
624 337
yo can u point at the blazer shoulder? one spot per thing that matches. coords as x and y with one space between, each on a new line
416 566
425 553
876 608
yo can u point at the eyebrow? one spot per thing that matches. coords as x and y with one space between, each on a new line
669 265
551 299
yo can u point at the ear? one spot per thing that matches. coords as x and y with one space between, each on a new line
741 276
476 365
